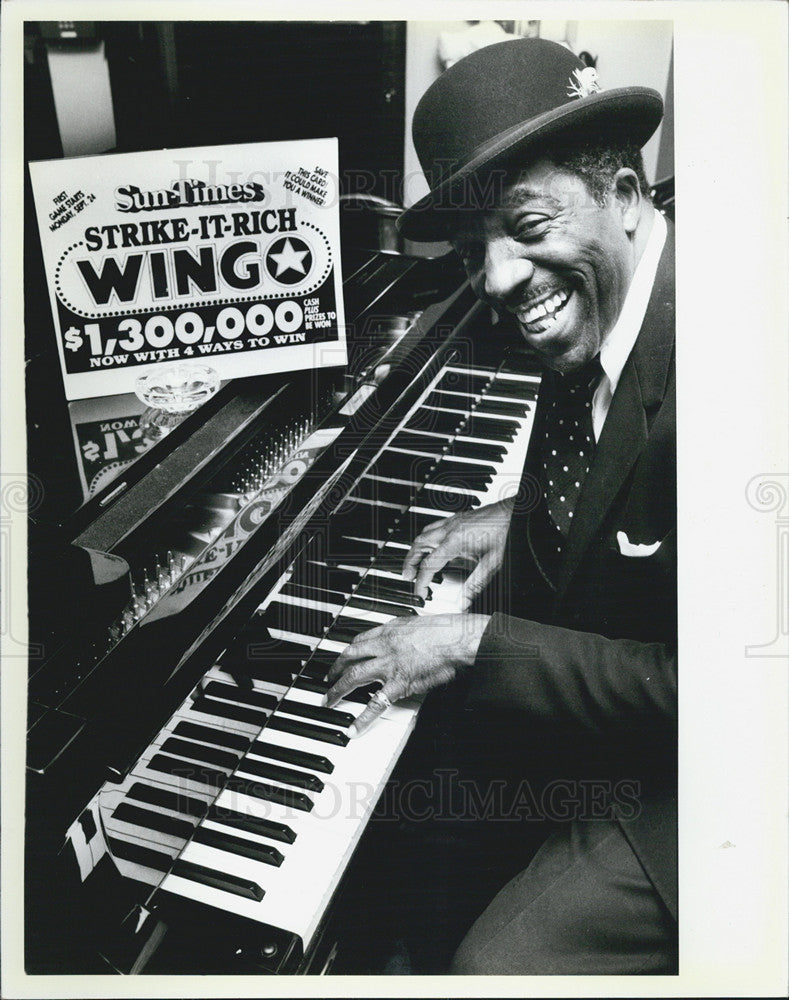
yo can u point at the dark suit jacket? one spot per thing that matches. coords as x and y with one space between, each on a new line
594 659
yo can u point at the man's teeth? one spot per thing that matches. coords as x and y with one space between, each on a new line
546 309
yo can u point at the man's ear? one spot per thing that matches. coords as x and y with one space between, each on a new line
628 197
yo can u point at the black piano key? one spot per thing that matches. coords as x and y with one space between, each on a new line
382 607
196 751
369 519
239 845
462 381
208 734
391 560
314 671
490 428
398 591
302 758
398 465
262 646
308 730
264 670
183 769
449 500
154 795
224 710
412 524
316 712
258 699
149 820
320 662
285 775
218 880
461 479
252 824
478 450
298 618
451 400
304 592
465 468
436 421
312 684
354 514
352 550
345 630
272 664
137 854
502 407
319 575
514 388
270 793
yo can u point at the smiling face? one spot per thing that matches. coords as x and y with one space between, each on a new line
555 259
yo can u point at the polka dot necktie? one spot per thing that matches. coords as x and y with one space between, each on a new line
568 446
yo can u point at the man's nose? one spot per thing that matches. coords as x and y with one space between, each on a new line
507 270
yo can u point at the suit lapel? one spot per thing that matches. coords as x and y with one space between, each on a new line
639 393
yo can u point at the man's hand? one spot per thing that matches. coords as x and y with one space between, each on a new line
409 656
478 536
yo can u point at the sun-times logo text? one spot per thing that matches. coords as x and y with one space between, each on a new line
183 193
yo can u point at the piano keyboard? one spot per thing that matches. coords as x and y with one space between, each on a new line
252 797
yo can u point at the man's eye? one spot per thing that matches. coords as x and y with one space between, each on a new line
531 226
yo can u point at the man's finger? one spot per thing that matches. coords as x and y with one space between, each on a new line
479 578
426 541
358 675
376 706
430 565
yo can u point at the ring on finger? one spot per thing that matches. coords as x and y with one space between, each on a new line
381 699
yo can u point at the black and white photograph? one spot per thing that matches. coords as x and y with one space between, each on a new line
367 531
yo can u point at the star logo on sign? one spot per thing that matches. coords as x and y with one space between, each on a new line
289 260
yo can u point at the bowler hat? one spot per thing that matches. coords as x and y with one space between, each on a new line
504 102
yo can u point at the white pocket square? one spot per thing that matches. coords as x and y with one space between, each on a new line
628 548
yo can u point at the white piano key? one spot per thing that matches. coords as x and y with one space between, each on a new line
360 614
399 450
306 602
438 514
378 503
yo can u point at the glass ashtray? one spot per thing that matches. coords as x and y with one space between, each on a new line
177 388
156 424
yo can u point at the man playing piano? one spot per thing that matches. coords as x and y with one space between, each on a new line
537 181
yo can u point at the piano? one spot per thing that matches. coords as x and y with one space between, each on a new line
191 804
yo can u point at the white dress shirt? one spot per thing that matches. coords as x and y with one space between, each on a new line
619 341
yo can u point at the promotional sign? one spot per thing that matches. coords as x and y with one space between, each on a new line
229 255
